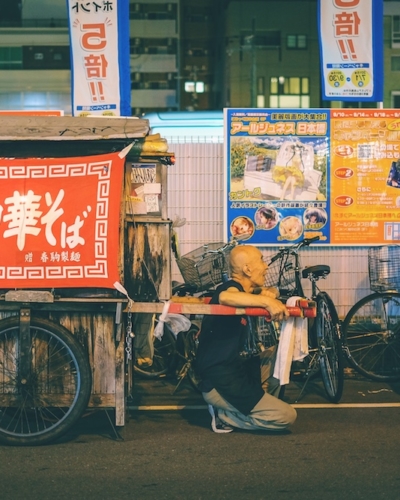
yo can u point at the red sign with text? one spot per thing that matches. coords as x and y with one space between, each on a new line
59 221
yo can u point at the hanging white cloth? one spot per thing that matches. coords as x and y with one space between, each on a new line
293 344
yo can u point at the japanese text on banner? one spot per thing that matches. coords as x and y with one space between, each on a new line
59 221
99 37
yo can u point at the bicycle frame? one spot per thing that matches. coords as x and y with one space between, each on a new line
325 339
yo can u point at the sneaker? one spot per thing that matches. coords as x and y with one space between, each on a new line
217 425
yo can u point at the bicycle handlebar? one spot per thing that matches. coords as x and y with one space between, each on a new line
294 248
230 244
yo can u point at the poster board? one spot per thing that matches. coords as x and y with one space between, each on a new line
298 173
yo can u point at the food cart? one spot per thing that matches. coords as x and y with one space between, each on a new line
85 244
82 213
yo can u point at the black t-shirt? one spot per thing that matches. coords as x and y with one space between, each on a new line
218 359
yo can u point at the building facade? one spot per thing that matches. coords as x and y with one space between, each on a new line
186 55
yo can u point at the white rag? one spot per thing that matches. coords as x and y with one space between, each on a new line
176 322
293 344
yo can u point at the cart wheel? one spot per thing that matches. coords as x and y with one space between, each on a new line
45 382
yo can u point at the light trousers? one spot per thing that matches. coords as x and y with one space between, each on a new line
270 413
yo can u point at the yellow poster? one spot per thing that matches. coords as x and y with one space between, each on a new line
365 176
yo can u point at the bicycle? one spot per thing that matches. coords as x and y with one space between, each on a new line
202 269
371 328
324 335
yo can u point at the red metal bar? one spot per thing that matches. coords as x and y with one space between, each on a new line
305 308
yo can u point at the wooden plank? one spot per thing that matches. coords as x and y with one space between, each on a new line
102 401
120 386
56 128
96 400
147 274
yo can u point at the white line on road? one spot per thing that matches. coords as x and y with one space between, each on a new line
297 405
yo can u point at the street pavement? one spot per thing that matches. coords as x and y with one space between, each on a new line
333 452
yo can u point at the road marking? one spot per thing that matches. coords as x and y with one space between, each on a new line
297 405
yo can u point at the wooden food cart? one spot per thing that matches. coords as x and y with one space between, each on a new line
85 244
82 208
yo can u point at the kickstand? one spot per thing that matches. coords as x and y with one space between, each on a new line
118 436
312 369
182 374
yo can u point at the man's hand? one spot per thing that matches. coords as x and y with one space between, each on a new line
277 310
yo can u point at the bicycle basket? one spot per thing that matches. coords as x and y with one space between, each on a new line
281 273
384 268
204 270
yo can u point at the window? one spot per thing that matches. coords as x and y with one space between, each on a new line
395 31
197 87
152 46
46 57
10 57
263 39
36 100
196 14
152 81
396 99
289 92
395 63
153 12
296 42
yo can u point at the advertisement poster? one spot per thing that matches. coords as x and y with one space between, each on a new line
99 37
365 166
59 221
299 173
351 48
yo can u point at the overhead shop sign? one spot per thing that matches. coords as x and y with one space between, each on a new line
99 39
351 48
59 221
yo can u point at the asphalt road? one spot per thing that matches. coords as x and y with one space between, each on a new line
350 451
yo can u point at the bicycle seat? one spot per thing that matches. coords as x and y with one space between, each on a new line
182 289
316 271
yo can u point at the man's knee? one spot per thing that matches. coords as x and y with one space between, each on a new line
289 416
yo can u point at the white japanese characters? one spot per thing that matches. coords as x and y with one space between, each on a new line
28 214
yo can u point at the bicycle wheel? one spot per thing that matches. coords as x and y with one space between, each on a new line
190 349
267 332
163 357
43 403
328 333
372 336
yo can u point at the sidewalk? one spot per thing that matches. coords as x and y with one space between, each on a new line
153 394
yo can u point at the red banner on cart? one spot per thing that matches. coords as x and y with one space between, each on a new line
59 221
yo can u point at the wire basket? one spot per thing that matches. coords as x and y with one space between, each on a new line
384 268
205 270
281 273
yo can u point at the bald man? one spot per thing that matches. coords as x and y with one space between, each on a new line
231 384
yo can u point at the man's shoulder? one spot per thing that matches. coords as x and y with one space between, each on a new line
231 283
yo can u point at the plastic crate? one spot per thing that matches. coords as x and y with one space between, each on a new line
384 268
281 273
205 270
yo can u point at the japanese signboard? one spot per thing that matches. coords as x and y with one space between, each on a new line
351 47
301 173
99 36
59 221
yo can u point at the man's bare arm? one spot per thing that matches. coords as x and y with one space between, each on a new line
233 297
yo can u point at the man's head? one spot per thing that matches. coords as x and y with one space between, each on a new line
248 266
